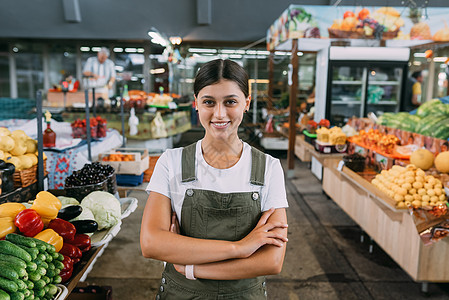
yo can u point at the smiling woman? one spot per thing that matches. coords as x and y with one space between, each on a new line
216 208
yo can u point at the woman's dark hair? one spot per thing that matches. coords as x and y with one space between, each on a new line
215 70
416 74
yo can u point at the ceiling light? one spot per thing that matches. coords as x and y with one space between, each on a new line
140 50
118 49
419 54
202 50
96 49
175 40
85 49
157 71
130 50
440 59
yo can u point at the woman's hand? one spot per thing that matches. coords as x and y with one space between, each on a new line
261 235
174 226
180 268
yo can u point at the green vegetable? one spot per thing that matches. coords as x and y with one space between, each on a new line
46 279
11 249
21 285
34 276
51 273
60 257
52 289
17 296
32 251
20 271
13 260
4 295
57 279
58 265
30 284
30 297
31 266
8 285
41 270
41 257
40 291
7 272
55 255
21 240
49 257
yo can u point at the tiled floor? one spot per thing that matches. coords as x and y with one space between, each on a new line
325 258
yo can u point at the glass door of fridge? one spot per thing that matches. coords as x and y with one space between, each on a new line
347 93
384 89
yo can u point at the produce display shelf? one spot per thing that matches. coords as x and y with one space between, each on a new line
392 229
302 146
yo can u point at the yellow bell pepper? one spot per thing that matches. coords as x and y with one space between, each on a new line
6 226
11 209
50 236
47 206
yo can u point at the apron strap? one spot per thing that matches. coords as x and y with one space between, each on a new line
188 163
258 159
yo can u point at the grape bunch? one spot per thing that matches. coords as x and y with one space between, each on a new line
372 27
89 174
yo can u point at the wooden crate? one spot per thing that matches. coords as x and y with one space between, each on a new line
24 178
149 172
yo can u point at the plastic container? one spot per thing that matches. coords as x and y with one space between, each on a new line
355 162
79 192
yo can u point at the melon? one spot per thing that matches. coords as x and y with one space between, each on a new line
422 158
442 162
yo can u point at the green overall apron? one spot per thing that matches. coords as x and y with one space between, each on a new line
211 215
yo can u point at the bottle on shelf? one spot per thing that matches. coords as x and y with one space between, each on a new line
49 137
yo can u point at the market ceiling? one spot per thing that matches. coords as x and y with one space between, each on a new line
196 21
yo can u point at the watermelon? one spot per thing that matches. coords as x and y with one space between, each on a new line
423 109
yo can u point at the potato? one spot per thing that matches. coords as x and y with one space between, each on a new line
398 198
424 203
425 198
375 181
390 194
410 167
442 197
384 172
417 197
409 198
416 203
407 186
428 186
431 192
431 180
410 179
417 185
410 174
420 173
412 191
407 203
441 203
422 192
438 192
401 205
434 199
438 186
402 191
419 179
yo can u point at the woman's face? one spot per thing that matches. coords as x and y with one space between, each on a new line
220 108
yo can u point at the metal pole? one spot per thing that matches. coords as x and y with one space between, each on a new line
256 75
40 143
94 110
292 118
270 80
122 113
89 154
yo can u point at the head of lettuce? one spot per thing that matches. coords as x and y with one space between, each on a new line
105 207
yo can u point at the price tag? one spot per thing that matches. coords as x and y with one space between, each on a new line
172 105
340 165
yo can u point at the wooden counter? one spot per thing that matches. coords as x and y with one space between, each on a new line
305 151
392 229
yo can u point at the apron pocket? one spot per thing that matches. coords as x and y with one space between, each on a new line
226 224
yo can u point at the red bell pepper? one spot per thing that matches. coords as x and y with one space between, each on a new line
71 251
29 222
66 272
64 228
82 241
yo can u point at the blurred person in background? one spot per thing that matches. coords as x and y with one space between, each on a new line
100 72
413 92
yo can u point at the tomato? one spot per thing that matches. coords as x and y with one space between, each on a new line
348 14
363 14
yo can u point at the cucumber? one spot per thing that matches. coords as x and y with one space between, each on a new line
57 279
52 289
32 251
8 285
51 266
41 270
55 255
31 266
27 293
34 276
42 264
60 257
4 295
9 248
40 292
7 272
17 296
46 289
21 285
51 273
50 248
49 257
38 286
59 265
30 284
42 257
46 279
12 259
30 297
21 240
20 271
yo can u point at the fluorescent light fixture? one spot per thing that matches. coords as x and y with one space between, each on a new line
252 52
235 56
440 59
134 78
130 50
159 41
154 35
416 63
118 49
119 68
258 81
281 53
240 51
300 53
84 49
96 49
157 71
189 80
202 50
419 54
140 50
263 52
228 51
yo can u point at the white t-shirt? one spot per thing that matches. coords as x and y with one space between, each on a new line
166 178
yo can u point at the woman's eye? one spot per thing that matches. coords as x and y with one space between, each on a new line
208 102
231 102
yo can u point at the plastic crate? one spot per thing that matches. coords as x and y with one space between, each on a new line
18 108
129 180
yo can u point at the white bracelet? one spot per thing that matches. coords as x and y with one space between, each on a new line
189 272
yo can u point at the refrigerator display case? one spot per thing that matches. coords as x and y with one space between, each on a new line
358 85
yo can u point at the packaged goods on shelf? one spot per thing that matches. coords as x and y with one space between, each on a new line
126 160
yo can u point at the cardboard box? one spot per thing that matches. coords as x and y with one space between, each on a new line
135 167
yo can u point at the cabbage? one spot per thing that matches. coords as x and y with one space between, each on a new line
68 200
105 208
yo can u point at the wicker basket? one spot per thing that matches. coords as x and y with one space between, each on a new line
28 176
359 34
